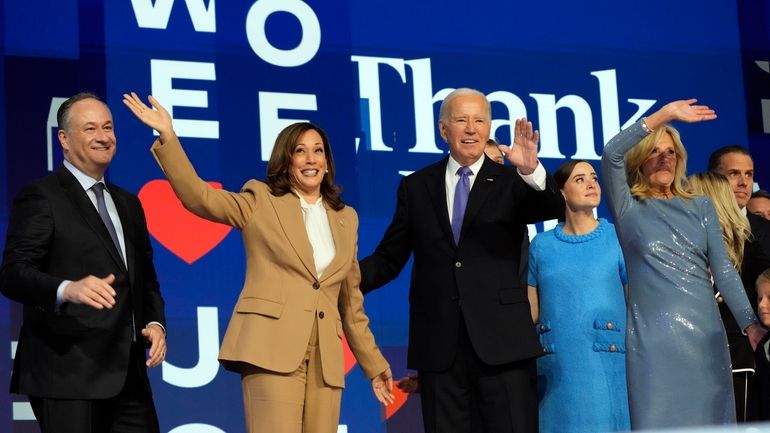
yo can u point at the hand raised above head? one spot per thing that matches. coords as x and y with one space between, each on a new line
684 110
157 117
523 152
687 111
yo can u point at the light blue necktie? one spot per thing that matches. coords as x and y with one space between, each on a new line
462 190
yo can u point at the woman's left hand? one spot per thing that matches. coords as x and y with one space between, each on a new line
382 385
755 334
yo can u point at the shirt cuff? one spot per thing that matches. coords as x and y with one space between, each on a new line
157 323
536 180
60 292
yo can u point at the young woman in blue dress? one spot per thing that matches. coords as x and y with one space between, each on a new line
576 288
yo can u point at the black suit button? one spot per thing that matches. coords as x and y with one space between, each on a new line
320 314
458 264
316 285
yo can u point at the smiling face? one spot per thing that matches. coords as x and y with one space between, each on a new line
582 191
466 127
659 168
88 138
739 171
308 165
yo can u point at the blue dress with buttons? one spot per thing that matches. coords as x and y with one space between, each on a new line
582 376
677 357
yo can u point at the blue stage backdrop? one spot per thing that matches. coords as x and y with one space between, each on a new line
233 73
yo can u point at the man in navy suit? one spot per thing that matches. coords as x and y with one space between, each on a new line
78 257
471 336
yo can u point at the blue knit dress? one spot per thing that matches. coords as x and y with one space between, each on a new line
582 376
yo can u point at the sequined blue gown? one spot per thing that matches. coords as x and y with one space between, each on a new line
677 360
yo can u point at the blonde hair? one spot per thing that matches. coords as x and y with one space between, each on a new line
735 225
638 154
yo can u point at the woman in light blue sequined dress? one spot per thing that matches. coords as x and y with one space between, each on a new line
677 362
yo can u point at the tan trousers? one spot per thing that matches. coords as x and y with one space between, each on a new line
297 402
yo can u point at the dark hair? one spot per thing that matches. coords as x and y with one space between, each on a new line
715 160
761 193
561 175
278 177
63 114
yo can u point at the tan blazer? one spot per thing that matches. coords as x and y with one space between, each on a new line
282 295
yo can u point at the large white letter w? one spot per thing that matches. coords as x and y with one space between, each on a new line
156 16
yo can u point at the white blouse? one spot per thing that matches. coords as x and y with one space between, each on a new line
319 233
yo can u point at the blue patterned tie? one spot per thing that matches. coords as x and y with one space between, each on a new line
98 190
462 190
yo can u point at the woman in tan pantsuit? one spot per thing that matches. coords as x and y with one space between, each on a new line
301 289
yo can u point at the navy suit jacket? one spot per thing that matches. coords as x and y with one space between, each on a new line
478 278
55 234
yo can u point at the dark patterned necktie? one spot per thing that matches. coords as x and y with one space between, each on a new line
101 206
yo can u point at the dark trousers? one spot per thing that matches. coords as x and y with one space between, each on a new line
746 398
474 397
131 411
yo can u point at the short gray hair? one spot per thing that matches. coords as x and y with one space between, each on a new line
443 112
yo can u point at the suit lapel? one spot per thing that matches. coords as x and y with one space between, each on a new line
341 236
89 213
436 185
482 186
290 217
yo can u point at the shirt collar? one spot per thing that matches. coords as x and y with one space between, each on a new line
453 165
85 181
305 204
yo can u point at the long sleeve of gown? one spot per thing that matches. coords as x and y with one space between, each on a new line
614 169
725 276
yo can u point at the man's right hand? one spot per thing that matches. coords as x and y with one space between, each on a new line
92 291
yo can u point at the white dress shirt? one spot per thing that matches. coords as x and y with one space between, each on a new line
319 233
536 180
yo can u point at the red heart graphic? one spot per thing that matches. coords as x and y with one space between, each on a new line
186 235
400 398
350 362
349 359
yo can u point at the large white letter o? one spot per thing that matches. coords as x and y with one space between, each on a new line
297 56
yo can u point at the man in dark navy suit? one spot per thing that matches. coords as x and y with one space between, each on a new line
78 257
471 336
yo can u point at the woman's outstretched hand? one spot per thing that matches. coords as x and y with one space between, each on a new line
382 385
156 117
683 111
